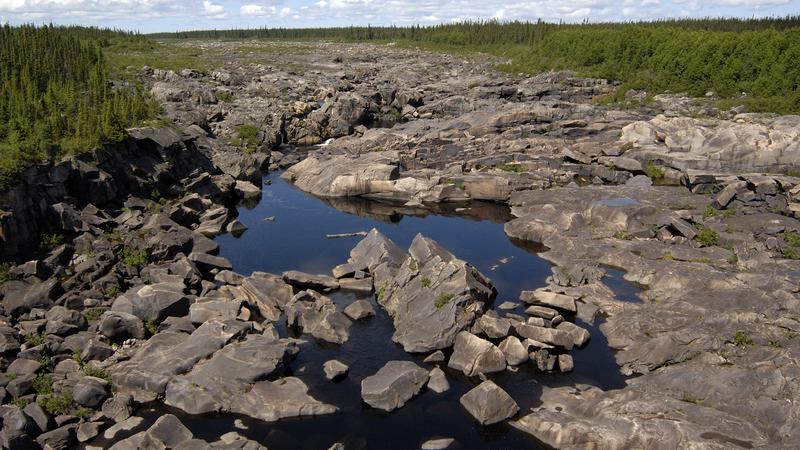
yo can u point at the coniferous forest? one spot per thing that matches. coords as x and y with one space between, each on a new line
57 98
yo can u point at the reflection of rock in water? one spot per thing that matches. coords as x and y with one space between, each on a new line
393 212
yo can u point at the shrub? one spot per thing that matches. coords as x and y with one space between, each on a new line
791 237
57 404
653 171
706 237
5 273
43 384
34 340
225 96
246 138
97 372
623 235
93 314
132 257
51 241
151 326
512 167
425 282
443 299
742 338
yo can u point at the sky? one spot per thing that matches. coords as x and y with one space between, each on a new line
175 15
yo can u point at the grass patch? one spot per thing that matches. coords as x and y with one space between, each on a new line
246 138
97 372
706 237
791 253
623 235
443 299
225 97
654 171
791 237
132 257
57 404
92 314
512 167
34 340
691 398
742 338
381 293
43 384
50 242
5 273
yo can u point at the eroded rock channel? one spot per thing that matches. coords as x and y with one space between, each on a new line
452 258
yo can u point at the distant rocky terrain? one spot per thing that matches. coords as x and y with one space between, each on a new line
124 302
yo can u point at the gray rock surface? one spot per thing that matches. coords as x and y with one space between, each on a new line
393 385
489 404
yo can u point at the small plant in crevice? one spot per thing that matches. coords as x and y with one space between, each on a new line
34 340
151 326
654 171
443 299
623 235
92 314
132 257
51 241
425 282
691 398
706 237
742 338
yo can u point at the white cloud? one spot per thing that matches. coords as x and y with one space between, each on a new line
214 10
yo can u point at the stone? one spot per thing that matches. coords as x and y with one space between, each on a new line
580 335
60 438
437 356
122 427
204 310
437 381
334 369
515 352
119 326
169 431
359 309
303 280
90 392
544 361
42 420
22 366
41 295
549 299
206 262
437 444
473 355
492 326
316 315
347 270
489 404
541 311
88 431
118 408
565 363
154 302
550 336
393 385
361 286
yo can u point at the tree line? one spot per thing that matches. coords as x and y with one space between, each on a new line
754 61
57 98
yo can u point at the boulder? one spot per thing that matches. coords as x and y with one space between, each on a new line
515 352
393 385
154 302
316 315
437 381
549 299
473 355
119 326
359 309
489 404
334 369
302 280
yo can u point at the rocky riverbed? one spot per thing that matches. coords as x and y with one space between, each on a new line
121 323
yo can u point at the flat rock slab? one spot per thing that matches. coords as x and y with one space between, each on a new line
489 404
549 299
302 280
393 385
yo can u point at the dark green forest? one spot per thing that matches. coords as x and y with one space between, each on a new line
57 98
756 62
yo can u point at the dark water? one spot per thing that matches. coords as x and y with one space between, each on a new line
296 240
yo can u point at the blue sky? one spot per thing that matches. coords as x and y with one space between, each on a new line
169 15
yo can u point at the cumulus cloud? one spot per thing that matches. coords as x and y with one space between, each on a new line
152 15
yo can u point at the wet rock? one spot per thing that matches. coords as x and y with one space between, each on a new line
551 336
359 309
303 280
489 404
334 369
549 299
437 444
393 385
437 381
473 355
430 294
317 316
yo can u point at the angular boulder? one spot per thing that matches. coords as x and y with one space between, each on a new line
489 404
393 385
